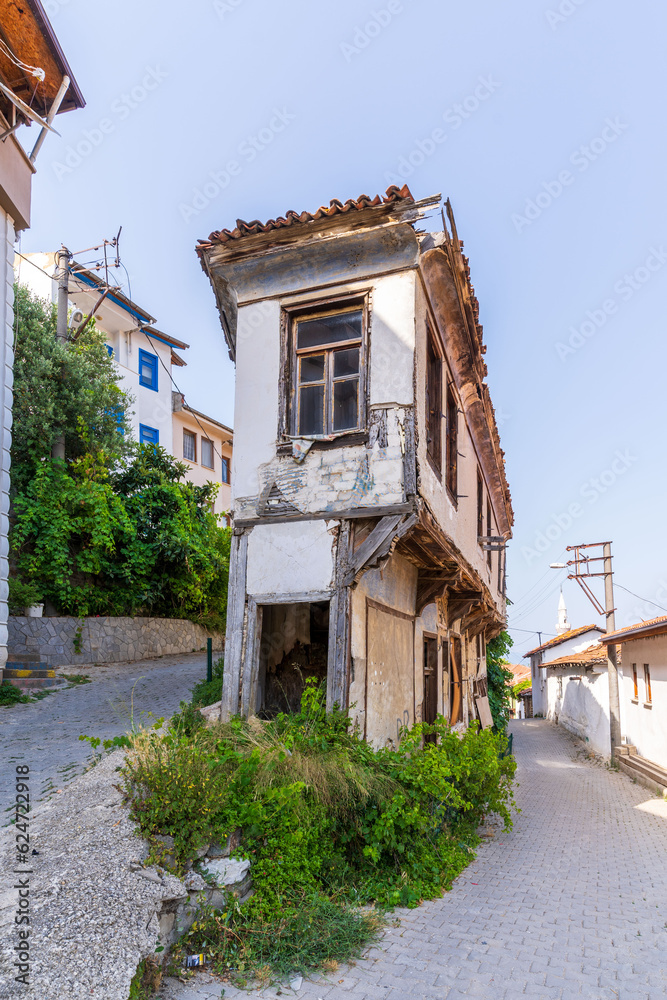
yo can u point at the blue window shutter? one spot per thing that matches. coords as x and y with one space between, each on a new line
148 370
109 350
148 435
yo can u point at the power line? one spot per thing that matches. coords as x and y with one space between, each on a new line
644 599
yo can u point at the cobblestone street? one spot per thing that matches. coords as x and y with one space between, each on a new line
571 903
45 734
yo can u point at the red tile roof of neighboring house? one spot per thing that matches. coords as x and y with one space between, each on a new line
563 637
520 671
654 626
291 218
594 654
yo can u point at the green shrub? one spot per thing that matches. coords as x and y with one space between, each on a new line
329 822
11 695
22 594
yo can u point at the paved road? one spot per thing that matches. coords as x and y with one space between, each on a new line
45 734
571 904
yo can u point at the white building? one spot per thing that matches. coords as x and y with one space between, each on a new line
34 72
206 448
577 694
370 502
567 643
643 694
143 354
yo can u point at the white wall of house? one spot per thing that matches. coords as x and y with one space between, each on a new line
575 644
290 558
644 722
578 699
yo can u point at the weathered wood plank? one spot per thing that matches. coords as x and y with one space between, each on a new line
328 515
339 614
238 561
251 659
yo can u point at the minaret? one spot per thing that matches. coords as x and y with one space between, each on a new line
563 624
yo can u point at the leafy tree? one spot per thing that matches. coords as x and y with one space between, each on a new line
68 388
114 529
499 679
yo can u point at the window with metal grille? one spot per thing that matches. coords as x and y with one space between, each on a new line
433 402
189 446
206 453
328 372
452 444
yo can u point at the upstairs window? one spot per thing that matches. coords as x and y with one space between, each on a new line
189 446
480 508
148 435
207 453
225 470
433 403
328 385
109 350
148 370
452 444
635 687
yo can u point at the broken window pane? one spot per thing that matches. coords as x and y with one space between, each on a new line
311 409
346 405
346 362
329 330
312 368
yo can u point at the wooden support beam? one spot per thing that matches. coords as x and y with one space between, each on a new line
339 631
251 659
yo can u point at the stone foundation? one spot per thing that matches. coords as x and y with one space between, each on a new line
70 641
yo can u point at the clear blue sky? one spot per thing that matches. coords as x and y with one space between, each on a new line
554 161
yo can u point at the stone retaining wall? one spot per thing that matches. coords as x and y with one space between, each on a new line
104 640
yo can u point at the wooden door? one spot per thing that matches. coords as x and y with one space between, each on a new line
455 681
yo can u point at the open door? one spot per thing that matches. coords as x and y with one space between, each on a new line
455 681
430 706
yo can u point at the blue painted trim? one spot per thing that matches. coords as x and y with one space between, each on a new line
119 302
151 360
149 333
146 434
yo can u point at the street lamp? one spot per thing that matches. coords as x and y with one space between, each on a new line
582 571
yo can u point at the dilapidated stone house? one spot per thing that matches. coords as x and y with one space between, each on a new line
370 502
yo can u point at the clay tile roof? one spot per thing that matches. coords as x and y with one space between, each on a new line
628 632
520 671
594 654
393 194
563 637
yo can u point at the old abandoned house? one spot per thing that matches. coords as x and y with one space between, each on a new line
370 502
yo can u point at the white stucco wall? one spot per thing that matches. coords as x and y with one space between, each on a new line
392 339
576 644
583 706
6 382
290 558
642 725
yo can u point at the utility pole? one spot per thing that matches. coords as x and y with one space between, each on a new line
582 571
58 447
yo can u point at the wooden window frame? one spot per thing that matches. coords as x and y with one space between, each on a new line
151 361
203 463
452 445
489 531
635 696
226 460
480 507
648 697
143 439
287 394
433 401
192 434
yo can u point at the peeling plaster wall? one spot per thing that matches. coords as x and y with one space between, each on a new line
645 727
290 558
460 522
331 479
256 400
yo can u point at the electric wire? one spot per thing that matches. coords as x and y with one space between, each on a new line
35 71
644 599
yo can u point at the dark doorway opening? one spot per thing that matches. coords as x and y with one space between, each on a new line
294 647
430 706
455 682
